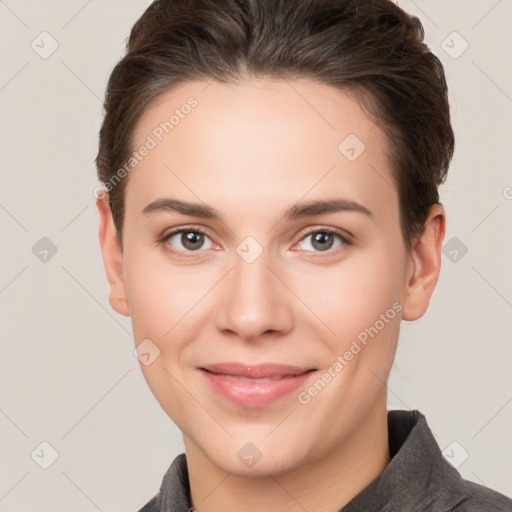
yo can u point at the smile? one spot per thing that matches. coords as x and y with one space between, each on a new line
255 386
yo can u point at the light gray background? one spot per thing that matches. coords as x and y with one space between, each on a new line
68 375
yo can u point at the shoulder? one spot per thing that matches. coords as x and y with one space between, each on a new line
473 497
174 489
420 479
153 505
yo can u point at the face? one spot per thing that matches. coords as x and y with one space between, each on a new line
264 262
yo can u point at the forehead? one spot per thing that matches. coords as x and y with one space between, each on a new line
260 140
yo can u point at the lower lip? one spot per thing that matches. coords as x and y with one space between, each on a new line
255 393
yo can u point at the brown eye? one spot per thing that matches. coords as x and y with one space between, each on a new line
192 240
322 240
187 240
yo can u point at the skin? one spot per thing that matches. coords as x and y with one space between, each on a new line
251 151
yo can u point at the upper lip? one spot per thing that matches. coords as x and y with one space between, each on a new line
257 371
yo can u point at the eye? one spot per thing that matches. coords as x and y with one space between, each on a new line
193 240
186 240
322 240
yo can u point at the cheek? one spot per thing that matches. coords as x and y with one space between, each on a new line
161 296
351 297
153 306
162 301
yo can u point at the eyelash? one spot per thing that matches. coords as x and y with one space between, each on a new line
346 241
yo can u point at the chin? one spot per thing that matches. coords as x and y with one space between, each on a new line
256 459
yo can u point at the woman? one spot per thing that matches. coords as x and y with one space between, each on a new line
270 214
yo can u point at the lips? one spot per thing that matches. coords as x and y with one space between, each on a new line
261 371
256 385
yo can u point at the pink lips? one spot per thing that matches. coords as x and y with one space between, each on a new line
255 386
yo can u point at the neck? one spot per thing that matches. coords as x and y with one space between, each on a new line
323 485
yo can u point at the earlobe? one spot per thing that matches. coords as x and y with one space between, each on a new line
112 257
425 265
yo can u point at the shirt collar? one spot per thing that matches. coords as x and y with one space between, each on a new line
416 471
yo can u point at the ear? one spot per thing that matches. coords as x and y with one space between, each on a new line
424 265
112 256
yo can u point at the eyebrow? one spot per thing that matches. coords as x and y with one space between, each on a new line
298 211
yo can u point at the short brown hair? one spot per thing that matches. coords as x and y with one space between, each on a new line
370 48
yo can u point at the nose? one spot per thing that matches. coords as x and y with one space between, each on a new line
254 302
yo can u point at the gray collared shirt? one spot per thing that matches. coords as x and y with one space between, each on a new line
417 479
